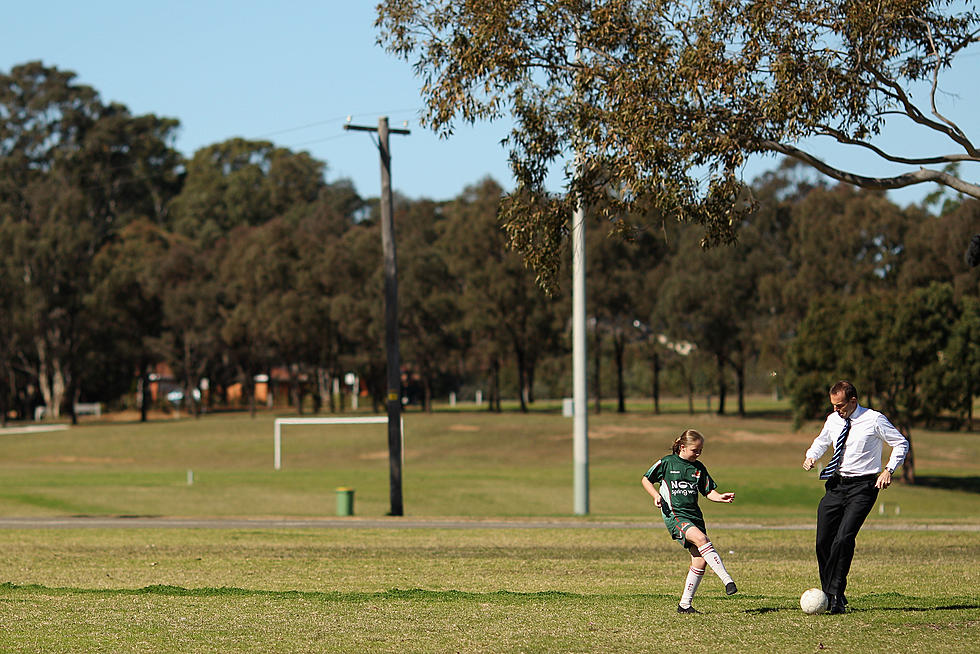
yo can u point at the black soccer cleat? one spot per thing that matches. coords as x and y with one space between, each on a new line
690 609
730 588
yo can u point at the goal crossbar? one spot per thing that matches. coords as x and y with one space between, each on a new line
368 420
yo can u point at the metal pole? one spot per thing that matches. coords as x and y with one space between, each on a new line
579 366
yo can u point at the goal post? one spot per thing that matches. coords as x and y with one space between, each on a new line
368 420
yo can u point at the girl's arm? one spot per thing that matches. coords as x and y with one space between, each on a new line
715 496
650 488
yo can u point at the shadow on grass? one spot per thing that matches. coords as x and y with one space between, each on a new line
968 484
950 607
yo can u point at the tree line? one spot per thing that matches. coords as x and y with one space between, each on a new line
118 254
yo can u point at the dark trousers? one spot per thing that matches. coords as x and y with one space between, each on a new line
842 511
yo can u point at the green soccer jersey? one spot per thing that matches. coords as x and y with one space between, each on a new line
680 483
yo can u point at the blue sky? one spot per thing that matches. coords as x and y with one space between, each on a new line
292 71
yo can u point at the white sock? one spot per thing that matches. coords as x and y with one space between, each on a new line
709 554
691 586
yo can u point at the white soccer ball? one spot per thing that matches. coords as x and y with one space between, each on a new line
814 601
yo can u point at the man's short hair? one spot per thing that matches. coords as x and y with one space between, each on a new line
845 387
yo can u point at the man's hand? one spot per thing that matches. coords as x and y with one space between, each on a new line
807 463
884 479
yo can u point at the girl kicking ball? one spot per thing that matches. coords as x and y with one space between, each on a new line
681 478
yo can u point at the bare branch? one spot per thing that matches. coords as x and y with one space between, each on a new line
881 183
913 112
935 80
841 137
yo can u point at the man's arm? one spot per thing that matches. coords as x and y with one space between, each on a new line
817 447
900 448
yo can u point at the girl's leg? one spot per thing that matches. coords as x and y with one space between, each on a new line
707 551
694 576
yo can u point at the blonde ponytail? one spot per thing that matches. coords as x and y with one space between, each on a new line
688 437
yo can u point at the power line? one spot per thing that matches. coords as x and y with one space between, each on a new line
341 119
334 120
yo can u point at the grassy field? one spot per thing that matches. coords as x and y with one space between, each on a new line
607 582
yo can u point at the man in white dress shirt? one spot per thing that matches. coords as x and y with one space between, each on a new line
854 435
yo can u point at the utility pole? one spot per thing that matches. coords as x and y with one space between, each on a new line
394 394
580 396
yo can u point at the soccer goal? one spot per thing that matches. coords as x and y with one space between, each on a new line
369 420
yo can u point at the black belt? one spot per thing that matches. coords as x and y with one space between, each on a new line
855 480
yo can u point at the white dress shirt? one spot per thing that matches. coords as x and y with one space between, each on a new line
862 449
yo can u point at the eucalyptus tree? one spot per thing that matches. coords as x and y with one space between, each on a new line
935 250
355 263
250 275
906 361
616 270
665 100
127 297
320 229
506 313
962 361
73 171
711 299
893 346
242 182
10 336
186 280
429 310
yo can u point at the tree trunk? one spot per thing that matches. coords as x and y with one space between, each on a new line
597 378
740 383
326 387
491 386
496 384
145 396
317 395
908 467
690 395
4 407
72 394
721 385
655 390
521 378
619 348
50 380
250 385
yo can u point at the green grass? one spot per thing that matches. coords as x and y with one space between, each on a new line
456 464
588 587
471 590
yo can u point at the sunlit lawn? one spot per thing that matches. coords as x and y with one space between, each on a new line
607 582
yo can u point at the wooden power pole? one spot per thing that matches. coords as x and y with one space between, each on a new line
394 394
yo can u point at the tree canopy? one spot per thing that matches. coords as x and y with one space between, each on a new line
660 102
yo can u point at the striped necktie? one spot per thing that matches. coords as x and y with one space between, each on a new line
838 452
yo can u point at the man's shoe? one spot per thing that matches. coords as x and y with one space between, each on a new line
730 588
690 609
837 606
